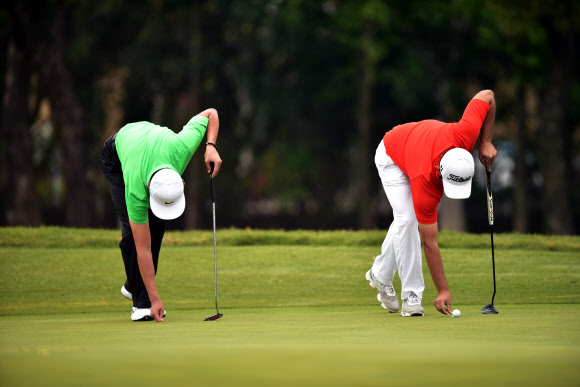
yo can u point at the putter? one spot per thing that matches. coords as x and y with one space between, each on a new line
490 308
212 184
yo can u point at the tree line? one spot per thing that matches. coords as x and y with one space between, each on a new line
305 91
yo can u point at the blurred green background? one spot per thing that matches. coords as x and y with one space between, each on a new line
305 91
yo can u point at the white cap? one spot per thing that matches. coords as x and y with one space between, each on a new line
457 169
166 196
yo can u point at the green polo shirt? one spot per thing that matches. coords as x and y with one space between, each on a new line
144 148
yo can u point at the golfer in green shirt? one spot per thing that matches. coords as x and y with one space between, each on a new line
143 164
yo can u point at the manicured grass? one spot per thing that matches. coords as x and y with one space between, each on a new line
297 312
526 345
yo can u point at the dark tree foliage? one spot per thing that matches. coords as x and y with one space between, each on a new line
305 91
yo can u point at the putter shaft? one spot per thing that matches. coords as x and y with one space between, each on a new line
215 257
492 262
212 185
490 308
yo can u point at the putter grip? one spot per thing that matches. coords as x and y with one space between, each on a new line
211 180
489 198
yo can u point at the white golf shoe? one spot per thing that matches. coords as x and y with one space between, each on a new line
387 295
143 314
412 306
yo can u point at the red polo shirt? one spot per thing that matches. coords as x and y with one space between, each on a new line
417 148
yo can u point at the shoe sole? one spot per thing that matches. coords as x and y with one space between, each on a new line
126 293
144 318
148 317
413 314
385 307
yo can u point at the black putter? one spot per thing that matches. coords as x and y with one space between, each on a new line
212 184
490 308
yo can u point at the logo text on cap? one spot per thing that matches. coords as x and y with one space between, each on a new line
458 179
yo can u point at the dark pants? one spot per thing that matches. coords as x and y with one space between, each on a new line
111 168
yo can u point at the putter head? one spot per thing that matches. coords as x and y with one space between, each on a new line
489 309
216 316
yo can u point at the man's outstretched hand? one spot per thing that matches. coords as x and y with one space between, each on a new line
443 302
157 310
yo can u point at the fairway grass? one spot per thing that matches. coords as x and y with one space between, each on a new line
297 313
526 345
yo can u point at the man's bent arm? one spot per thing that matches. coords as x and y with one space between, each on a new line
487 151
211 153
435 263
142 237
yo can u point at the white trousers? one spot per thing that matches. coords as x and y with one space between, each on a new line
401 250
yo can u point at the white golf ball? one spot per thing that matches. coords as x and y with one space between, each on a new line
456 313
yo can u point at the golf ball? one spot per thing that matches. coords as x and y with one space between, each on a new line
456 313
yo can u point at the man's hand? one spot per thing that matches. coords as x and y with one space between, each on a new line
443 302
157 310
212 156
487 153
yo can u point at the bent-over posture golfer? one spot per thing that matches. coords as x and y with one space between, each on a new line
417 162
143 164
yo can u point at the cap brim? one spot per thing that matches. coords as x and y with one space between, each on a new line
168 212
457 191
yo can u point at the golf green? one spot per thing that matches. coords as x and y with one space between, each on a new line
297 311
532 345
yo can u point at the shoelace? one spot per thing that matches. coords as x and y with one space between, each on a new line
413 299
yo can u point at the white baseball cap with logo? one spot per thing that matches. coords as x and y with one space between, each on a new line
166 196
457 168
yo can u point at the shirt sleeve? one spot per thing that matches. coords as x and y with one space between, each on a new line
137 209
467 130
425 201
193 132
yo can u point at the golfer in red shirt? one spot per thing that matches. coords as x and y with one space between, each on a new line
417 162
